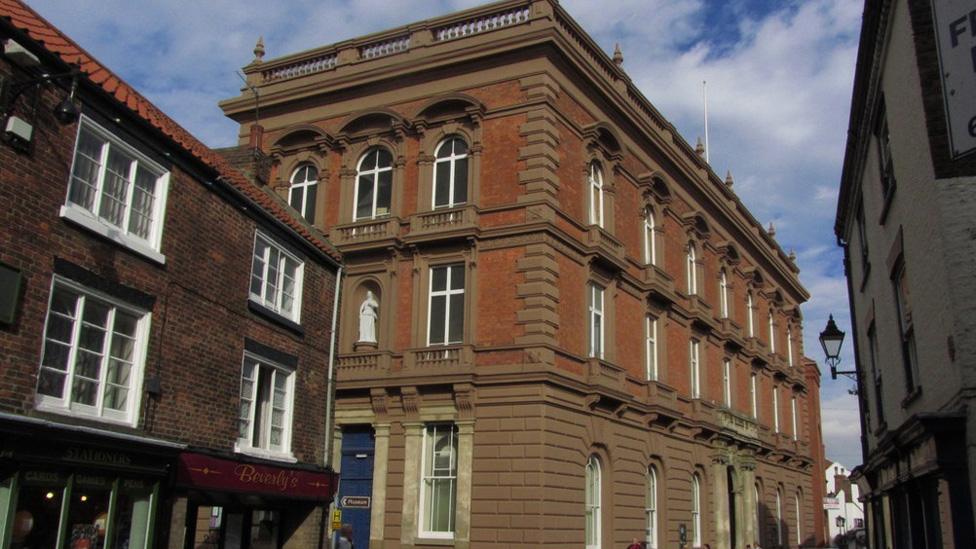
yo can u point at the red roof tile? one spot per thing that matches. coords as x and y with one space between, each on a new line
26 19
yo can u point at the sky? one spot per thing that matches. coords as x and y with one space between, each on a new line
779 75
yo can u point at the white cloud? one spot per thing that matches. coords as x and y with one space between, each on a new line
841 428
778 86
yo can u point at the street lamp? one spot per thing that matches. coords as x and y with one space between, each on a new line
831 340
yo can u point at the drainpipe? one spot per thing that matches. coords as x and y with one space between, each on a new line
330 390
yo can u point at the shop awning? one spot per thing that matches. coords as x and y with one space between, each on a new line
210 473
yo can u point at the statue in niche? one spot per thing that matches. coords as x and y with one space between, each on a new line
368 313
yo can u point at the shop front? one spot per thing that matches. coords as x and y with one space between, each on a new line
79 488
249 503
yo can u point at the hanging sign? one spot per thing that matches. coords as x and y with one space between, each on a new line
955 24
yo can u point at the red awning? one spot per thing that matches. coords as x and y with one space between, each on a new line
204 472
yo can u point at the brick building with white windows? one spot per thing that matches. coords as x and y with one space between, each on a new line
560 327
165 324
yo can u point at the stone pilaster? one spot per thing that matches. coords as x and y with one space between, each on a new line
750 518
720 499
381 456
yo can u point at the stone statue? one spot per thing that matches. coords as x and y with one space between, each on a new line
368 313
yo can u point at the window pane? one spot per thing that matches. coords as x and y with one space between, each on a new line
311 194
441 505
115 187
51 383
457 318
364 200
457 277
439 279
140 219
43 505
384 190
132 514
438 307
442 183
88 511
86 167
296 196
461 181
383 158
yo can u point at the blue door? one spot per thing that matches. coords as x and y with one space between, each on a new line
356 481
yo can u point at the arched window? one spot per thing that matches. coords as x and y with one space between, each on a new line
304 187
695 511
751 315
450 173
650 250
650 508
799 518
374 184
779 516
759 513
596 194
723 294
592 501
692 268
772 333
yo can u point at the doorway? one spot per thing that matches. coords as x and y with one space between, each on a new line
354 499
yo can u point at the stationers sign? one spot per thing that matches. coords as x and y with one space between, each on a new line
955 23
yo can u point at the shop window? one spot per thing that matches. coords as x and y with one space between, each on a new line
374 184
450 173
592 497
303 191
264 422
94 349
276 278
596 321
116 191
97 511
439 481
446 306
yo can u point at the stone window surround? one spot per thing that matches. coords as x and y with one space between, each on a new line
609 285
288 158
430 139
423 262
609 165
659 313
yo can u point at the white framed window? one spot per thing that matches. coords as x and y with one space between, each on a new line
592 502
727 382
793 416
695 511
779 516
450 173
650 249
775 409
93 356
772 333
650 509
799 519
596 321
694 368
276 278
303 191
374 184
596 194
789 347
445 320
438 490
723 294
116 191
692 268
750 315
267 401
650 347
752 396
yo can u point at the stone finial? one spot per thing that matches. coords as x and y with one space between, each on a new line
259 50
618 56
792 255
729 180
771 230
700 148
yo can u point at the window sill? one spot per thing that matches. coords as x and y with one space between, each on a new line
277 318
286 457
83 218
912 396
435 542
44 404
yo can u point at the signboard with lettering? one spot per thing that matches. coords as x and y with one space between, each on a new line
355 502
831 503
224 475
955 24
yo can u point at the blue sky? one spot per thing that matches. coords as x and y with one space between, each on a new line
779 78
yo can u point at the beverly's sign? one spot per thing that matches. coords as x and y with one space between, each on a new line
223 475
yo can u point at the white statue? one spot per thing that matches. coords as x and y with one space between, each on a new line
368 313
